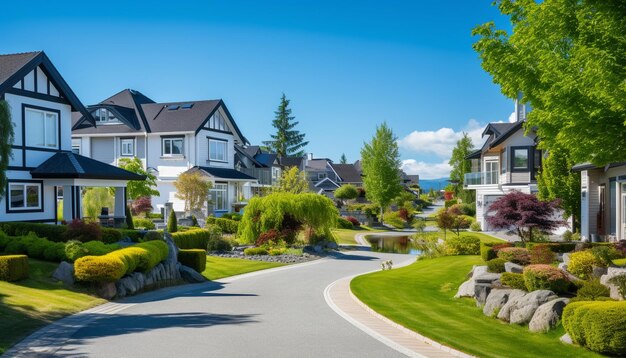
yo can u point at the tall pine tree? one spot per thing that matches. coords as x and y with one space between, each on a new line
287 141
461 166
343 159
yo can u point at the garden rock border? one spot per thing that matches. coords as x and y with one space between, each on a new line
285 259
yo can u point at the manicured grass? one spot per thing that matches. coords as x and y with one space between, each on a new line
29 304
220 267
482 236
421 297
346 236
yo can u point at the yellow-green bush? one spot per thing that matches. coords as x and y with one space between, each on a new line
463 245
192 239
253 251
581 264
194 258
513 280
114 265
228 226
597 325
13 267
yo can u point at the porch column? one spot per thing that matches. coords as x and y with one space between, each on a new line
120 206
78 206
68 203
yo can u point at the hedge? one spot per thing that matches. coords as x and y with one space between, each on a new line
144 223
517 255
113 266
227 225
192 239
513 280
194 258
581 264
488 250
50 232
33 246
545 277
496 265
111 236
597 325
75 249
556 247
134 235
463 245
13 267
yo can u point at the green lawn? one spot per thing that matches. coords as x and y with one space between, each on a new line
29 304
346 236
421 297
483 237
220 267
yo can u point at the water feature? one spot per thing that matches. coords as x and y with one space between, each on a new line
400 243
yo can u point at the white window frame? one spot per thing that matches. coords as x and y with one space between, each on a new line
45 129
223 189
24 187
126 141
224 159
171 140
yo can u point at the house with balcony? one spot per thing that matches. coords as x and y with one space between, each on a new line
603 201
508 160
170 138
42 162
253 161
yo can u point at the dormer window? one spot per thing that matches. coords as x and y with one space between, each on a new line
217 122
104 116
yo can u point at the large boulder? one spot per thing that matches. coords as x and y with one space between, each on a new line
548 315
106 290
467 288
513 267
483 284
477 271
523 308
64 273
496 299
612 272
190 275
566 258
505 311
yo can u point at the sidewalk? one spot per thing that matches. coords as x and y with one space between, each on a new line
341 300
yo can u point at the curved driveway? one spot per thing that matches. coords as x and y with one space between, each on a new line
279 313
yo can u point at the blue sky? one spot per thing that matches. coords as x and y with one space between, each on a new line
346 65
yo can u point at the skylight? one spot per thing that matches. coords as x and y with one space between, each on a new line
172 107
186 105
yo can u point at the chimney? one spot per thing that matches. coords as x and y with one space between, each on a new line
520 108
309 156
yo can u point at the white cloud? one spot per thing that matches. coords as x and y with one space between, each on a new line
512 118
442 141
426 170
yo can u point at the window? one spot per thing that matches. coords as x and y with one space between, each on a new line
491 167
76 142
218 150
127 146
173 147
24 196
42 128
217 122
104 116
520 158
219 197
321 176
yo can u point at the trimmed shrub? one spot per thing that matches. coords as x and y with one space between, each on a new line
276 252
556 247
192 239
228 226
343 223
172 222
129 218
194 221
355 222
75 249
541 254
253 251
35 247
232 216
144 223
13 267
496 265
597 325
592 290
475 226
513 280
581 264
83 231
153 235
489 250
114 265
194 258
463 245
605 254
111 236
518 255
134 235
545 277
48 231
217 244
393 218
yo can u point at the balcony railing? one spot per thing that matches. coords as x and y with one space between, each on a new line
264 175
481 178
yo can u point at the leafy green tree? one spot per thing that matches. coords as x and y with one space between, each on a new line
346 192
460 167
193 189
557 181
292 181
138 188
343 159
287 141
94 200
6 140
568 59
380 162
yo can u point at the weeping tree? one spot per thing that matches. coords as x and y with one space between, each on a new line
6 140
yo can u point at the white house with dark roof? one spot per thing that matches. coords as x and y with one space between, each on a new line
170 139
42 163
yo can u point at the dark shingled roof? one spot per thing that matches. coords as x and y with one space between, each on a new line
266 159
221 173
291 161
10 64
588 166
348 173
67 165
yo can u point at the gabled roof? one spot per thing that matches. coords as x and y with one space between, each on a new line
510 130
242 152
330 181
291 161
13 67
67 165
347 172
252 150
221 173
266 159
475 154
318 164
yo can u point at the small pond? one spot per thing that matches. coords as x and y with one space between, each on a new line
398 244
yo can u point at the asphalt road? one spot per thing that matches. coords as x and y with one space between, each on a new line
275 314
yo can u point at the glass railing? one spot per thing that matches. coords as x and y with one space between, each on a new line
481 178
262 174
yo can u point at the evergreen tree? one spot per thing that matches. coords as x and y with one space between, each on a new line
460 167
343 159
380 161
172 222
287 141
6 140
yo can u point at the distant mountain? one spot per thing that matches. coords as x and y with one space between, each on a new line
436 184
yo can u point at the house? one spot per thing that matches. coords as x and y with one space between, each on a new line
603 201
42 163
507 161
170 138
264 166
